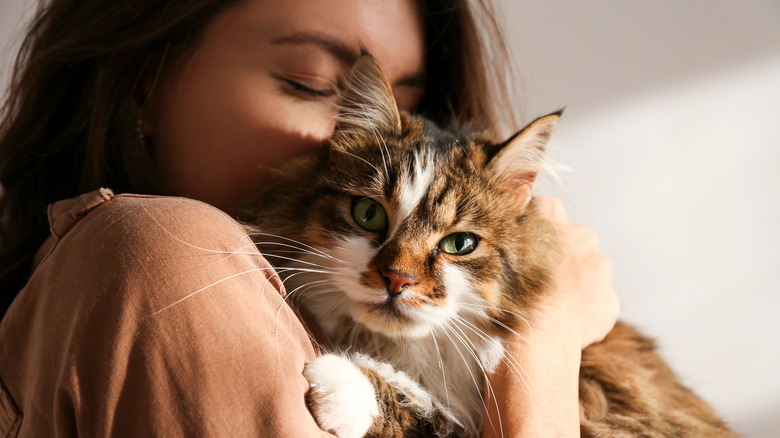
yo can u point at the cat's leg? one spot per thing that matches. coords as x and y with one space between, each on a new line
408 409
359 396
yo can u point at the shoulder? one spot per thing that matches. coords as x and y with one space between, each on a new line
133 222
157 229
149 252
151 242
150 214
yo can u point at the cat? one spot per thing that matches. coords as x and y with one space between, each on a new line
417 250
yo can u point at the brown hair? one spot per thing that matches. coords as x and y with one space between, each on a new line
69 121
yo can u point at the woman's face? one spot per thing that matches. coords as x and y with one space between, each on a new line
260 89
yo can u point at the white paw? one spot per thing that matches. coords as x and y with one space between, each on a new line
341 396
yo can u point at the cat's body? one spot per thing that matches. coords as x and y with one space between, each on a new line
421 250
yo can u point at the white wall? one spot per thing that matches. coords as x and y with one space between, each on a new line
672 130
13 17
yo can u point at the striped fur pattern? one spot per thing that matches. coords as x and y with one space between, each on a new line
362 232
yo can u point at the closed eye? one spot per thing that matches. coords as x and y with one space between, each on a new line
312 92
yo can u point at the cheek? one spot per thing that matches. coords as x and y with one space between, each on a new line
459 288
278 131
354 254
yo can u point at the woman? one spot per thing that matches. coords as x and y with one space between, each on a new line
199 99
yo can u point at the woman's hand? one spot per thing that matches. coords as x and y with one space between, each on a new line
583 298
535 391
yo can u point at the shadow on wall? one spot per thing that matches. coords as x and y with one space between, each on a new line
598 51
761 425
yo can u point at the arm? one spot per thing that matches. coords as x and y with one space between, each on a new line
580 311
156 317
215 351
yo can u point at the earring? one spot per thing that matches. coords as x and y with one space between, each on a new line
139 132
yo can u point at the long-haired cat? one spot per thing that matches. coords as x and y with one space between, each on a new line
417 250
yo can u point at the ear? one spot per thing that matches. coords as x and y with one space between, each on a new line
367 101
519 159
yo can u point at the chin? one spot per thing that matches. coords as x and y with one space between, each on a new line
390 321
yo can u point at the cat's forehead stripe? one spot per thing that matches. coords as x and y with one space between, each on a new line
414 186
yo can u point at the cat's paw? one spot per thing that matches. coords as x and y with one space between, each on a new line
416 396
341 397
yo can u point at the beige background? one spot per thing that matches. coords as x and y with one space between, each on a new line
672 132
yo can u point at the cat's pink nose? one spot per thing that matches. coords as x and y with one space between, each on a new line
397 281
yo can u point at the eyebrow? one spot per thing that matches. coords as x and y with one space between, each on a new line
334 46
343 52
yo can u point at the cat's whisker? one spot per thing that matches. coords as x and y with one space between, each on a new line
227 253
465 152
489 386
485 337
309 294
294 253
281 306
463 341
302 287
441 363
306 295
519 336
314 267
479 332
383 149
515 367
191 294
286 269
278 255
305 286
359 158
490 390
508 189
486 381
371 189
327 311
366 122
297 242
481 306
312 289
334 306
448 328
467 343
301 264
292 250
520 374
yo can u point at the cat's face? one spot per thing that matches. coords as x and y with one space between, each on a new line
404 228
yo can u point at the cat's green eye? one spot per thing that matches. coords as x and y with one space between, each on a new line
459 243
369 214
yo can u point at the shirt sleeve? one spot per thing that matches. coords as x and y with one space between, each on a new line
158 317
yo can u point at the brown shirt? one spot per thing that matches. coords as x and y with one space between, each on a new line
151 316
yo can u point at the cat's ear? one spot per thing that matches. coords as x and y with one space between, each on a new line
520 159
367 101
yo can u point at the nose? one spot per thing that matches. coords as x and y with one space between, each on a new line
396 282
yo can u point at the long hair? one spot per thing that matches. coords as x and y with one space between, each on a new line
69 120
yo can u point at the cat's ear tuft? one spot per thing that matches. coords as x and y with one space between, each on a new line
520 159
367 101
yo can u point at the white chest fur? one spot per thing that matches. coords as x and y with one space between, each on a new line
451 364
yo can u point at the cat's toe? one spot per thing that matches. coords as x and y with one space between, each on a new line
342 398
